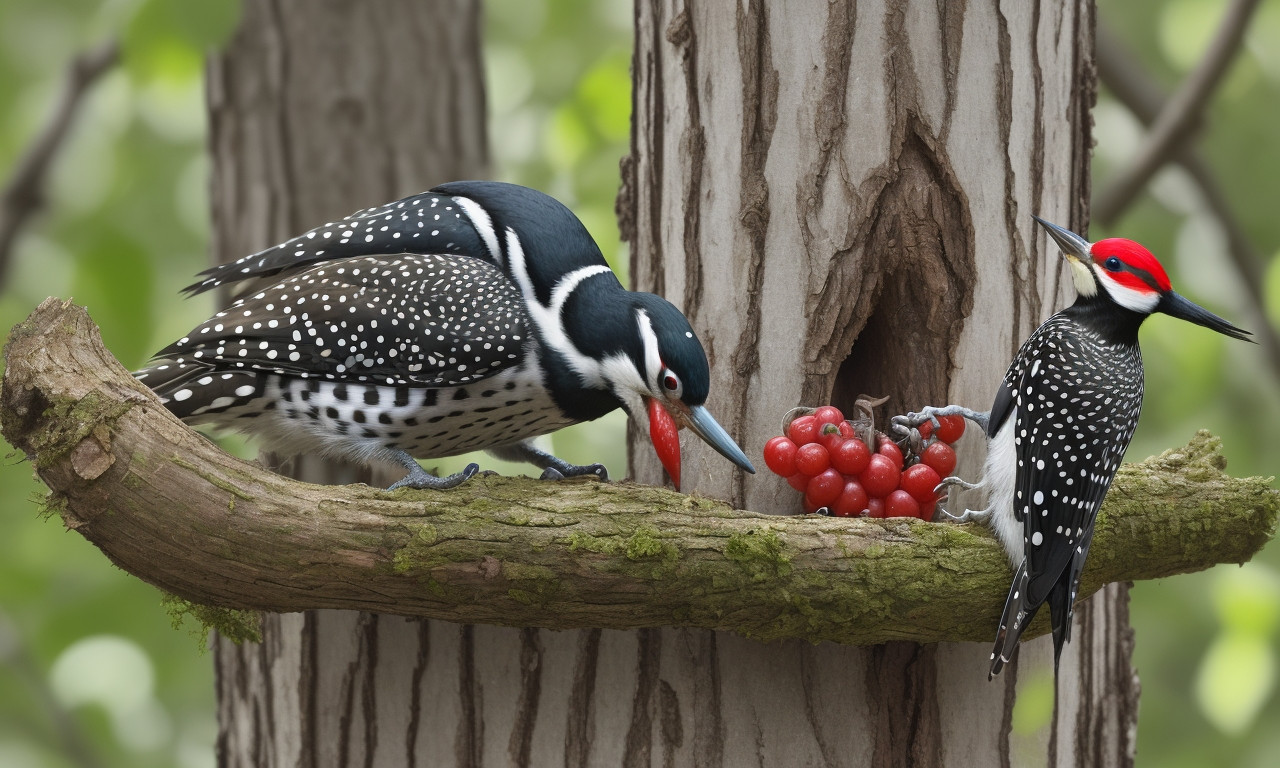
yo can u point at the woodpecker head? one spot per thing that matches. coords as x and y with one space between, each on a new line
1125 274
662 379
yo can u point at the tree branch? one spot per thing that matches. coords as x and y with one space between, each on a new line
23 194
1179 115
1142 95
166 505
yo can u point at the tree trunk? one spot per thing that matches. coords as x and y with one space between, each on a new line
874 168
839 196
318 109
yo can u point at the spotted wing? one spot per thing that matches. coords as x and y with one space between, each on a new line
1074 417
408 319
431 222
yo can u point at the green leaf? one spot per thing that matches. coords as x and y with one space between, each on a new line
1237 675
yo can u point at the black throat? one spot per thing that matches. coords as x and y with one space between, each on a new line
1114 323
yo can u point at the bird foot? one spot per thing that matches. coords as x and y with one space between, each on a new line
564 469
553 468
956 482
970 515
422 479
904 424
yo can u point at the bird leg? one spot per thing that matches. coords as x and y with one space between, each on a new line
910 423
422 479
552 468
904 424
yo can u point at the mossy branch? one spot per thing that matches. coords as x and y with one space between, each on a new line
168 506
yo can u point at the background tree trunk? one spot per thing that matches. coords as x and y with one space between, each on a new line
839 197
318 109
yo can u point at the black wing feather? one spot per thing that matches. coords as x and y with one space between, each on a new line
417 320
430 222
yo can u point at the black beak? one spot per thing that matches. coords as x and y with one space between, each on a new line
1177 306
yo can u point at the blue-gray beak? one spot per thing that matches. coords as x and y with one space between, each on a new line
1072 245
706 427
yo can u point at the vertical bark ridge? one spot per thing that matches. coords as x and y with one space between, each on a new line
307 687
708 705
580 727
759 93
640 737
672 730
521 744
369 690
1020 267
693 147
467 743
417 691
901 680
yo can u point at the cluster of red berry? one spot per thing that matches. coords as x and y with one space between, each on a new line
822 456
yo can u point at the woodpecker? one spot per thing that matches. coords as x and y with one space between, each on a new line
477 315
1062 419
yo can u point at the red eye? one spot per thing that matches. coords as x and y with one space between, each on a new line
671 382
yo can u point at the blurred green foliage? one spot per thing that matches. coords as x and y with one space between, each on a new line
91 672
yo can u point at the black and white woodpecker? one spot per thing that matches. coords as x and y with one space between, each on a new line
477 315
1061 422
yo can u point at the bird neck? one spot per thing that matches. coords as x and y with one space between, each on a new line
1112 322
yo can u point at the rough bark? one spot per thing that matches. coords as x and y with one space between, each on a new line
319 108
840 196
166 505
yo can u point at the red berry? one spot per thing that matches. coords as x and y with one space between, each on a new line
812 459
828 414
950 429
825 488
852 500
919 480
891 450
803 430
941 457
799 481
880 477
780 456
900 504
875 507
925 429
851 457
927 511
829 437
810 507
846 430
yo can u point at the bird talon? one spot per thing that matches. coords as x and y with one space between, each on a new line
420 479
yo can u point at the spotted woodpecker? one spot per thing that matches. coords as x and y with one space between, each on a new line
1061 422
477 315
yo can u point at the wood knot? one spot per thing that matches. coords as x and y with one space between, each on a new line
90 458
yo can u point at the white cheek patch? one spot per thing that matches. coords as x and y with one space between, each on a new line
652 360
1143 302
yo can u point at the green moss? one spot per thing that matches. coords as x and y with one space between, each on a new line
52 504
234 624
65 423
416 553
644 543
760 554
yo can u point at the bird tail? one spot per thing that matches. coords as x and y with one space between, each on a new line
1060 609
1018 612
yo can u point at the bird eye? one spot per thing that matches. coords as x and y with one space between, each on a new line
671 383
1112 264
